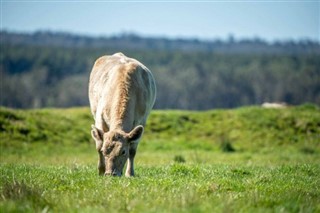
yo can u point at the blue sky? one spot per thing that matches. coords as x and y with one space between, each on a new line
270 20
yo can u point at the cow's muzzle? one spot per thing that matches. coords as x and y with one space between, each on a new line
112 174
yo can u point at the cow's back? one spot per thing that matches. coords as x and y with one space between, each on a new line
120 88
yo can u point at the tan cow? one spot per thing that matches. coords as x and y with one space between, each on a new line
122 93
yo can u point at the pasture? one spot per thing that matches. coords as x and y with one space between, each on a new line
248 159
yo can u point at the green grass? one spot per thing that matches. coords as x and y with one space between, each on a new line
243 160
173 188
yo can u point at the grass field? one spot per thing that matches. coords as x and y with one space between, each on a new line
242 160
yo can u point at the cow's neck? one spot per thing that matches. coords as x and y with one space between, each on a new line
123 121
123 103
125 125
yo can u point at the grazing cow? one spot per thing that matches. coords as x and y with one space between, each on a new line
122 93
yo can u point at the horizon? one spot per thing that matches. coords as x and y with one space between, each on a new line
229 38
204 21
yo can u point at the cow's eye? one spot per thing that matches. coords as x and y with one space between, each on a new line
109 149
116 137
123 152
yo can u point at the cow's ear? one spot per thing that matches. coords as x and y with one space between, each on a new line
135 134
96 133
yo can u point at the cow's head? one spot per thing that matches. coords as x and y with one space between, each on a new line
114 146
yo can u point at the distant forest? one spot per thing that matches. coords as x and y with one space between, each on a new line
46 69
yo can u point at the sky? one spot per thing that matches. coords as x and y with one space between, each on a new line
205 20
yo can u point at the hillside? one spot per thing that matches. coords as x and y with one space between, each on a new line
52 70
249 129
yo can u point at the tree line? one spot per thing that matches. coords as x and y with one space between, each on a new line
52 70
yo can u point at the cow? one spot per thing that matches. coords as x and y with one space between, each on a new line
122 92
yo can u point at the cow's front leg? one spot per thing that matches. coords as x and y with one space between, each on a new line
101 164
97 135
130 163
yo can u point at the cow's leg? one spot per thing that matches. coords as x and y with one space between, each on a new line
97 135
130 163
101 164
